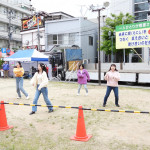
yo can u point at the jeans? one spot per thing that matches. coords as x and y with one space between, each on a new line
85 86
44 91
19 85
115 89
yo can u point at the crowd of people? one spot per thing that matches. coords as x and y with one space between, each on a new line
40 82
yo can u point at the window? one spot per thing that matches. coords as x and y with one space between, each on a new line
141 16
64 39
54 39
139 1
141 7
5 10
74 39
91 40
60 38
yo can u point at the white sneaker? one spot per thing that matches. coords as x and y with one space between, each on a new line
86 94
18 97
78 94
27 97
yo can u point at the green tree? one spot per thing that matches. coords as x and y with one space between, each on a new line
1 62
111 23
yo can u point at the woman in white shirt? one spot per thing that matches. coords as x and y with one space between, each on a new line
40 82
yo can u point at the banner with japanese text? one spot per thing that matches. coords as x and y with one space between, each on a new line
136 35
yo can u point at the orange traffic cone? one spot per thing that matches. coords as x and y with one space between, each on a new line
3 120
81 131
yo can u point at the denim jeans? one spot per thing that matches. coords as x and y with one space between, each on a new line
44 91
79 88
19 86
115 89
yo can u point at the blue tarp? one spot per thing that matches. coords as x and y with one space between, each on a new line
73 54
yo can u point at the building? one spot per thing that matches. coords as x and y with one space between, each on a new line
139 9
30 31
11 12
72 32
124 6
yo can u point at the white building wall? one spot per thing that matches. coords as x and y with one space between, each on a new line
88 28
30 38
124 6
82 26
62 26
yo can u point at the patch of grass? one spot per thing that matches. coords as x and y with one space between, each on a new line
118 145
31 125
129 107
39 120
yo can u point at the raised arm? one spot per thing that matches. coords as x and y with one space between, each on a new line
106 76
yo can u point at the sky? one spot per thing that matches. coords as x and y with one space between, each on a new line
76 8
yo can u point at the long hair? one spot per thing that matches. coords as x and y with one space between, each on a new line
43 68
113 65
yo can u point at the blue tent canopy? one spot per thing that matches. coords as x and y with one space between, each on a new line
27 55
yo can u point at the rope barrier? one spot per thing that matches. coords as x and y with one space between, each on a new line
69 107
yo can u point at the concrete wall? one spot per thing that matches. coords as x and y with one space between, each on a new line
88 28
127 67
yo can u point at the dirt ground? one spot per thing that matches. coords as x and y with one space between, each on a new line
52 131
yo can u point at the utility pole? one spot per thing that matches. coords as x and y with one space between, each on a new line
9 27
99 46
124 54
106 4
38 32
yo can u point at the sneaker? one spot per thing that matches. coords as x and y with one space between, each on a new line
78 94
50 111
86 94
117 105
32 112
18 97
27 97
104 105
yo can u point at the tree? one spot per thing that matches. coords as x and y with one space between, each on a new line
1 62
111 23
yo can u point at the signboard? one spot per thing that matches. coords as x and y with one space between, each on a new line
8 51
136 35
3 52
30 23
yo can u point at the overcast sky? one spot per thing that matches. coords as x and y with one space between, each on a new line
72 7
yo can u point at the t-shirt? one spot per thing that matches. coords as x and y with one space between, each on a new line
19 72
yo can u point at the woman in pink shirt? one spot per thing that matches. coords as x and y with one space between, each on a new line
112 77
